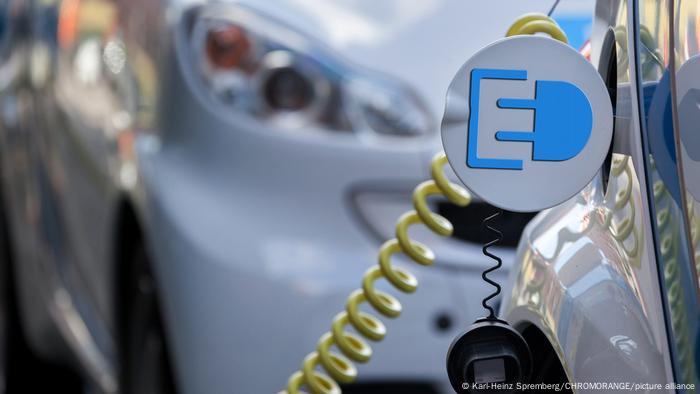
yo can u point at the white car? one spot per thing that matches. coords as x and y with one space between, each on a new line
190 189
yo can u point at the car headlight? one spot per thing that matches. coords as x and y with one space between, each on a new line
254 64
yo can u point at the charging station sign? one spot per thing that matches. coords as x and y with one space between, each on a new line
528 123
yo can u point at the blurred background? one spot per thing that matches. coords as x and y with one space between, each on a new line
189 190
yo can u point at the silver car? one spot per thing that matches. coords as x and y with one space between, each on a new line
190 190
607 283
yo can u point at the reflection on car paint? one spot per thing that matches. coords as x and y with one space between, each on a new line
678 274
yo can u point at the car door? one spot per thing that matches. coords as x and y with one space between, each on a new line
20 184
75 112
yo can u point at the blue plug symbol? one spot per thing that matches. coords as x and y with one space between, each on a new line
563 120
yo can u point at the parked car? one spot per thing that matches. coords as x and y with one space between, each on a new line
191 189
607 283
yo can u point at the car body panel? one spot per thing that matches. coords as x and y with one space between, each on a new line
424 44
588 274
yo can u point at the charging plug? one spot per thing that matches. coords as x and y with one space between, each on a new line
490 357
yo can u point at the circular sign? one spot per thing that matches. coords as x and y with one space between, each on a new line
527 124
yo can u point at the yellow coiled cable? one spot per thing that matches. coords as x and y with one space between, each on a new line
338 366
625 229
537 23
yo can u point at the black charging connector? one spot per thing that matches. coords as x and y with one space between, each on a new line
490 357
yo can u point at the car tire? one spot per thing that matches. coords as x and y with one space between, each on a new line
145 361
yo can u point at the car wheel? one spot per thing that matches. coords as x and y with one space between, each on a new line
145 359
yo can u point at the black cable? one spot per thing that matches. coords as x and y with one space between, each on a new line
554 7
499 262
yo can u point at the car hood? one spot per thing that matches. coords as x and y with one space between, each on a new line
423 43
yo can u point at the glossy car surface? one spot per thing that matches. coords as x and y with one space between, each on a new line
610 277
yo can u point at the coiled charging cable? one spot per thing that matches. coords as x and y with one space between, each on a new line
339 367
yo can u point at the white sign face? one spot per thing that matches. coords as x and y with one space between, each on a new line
528 123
